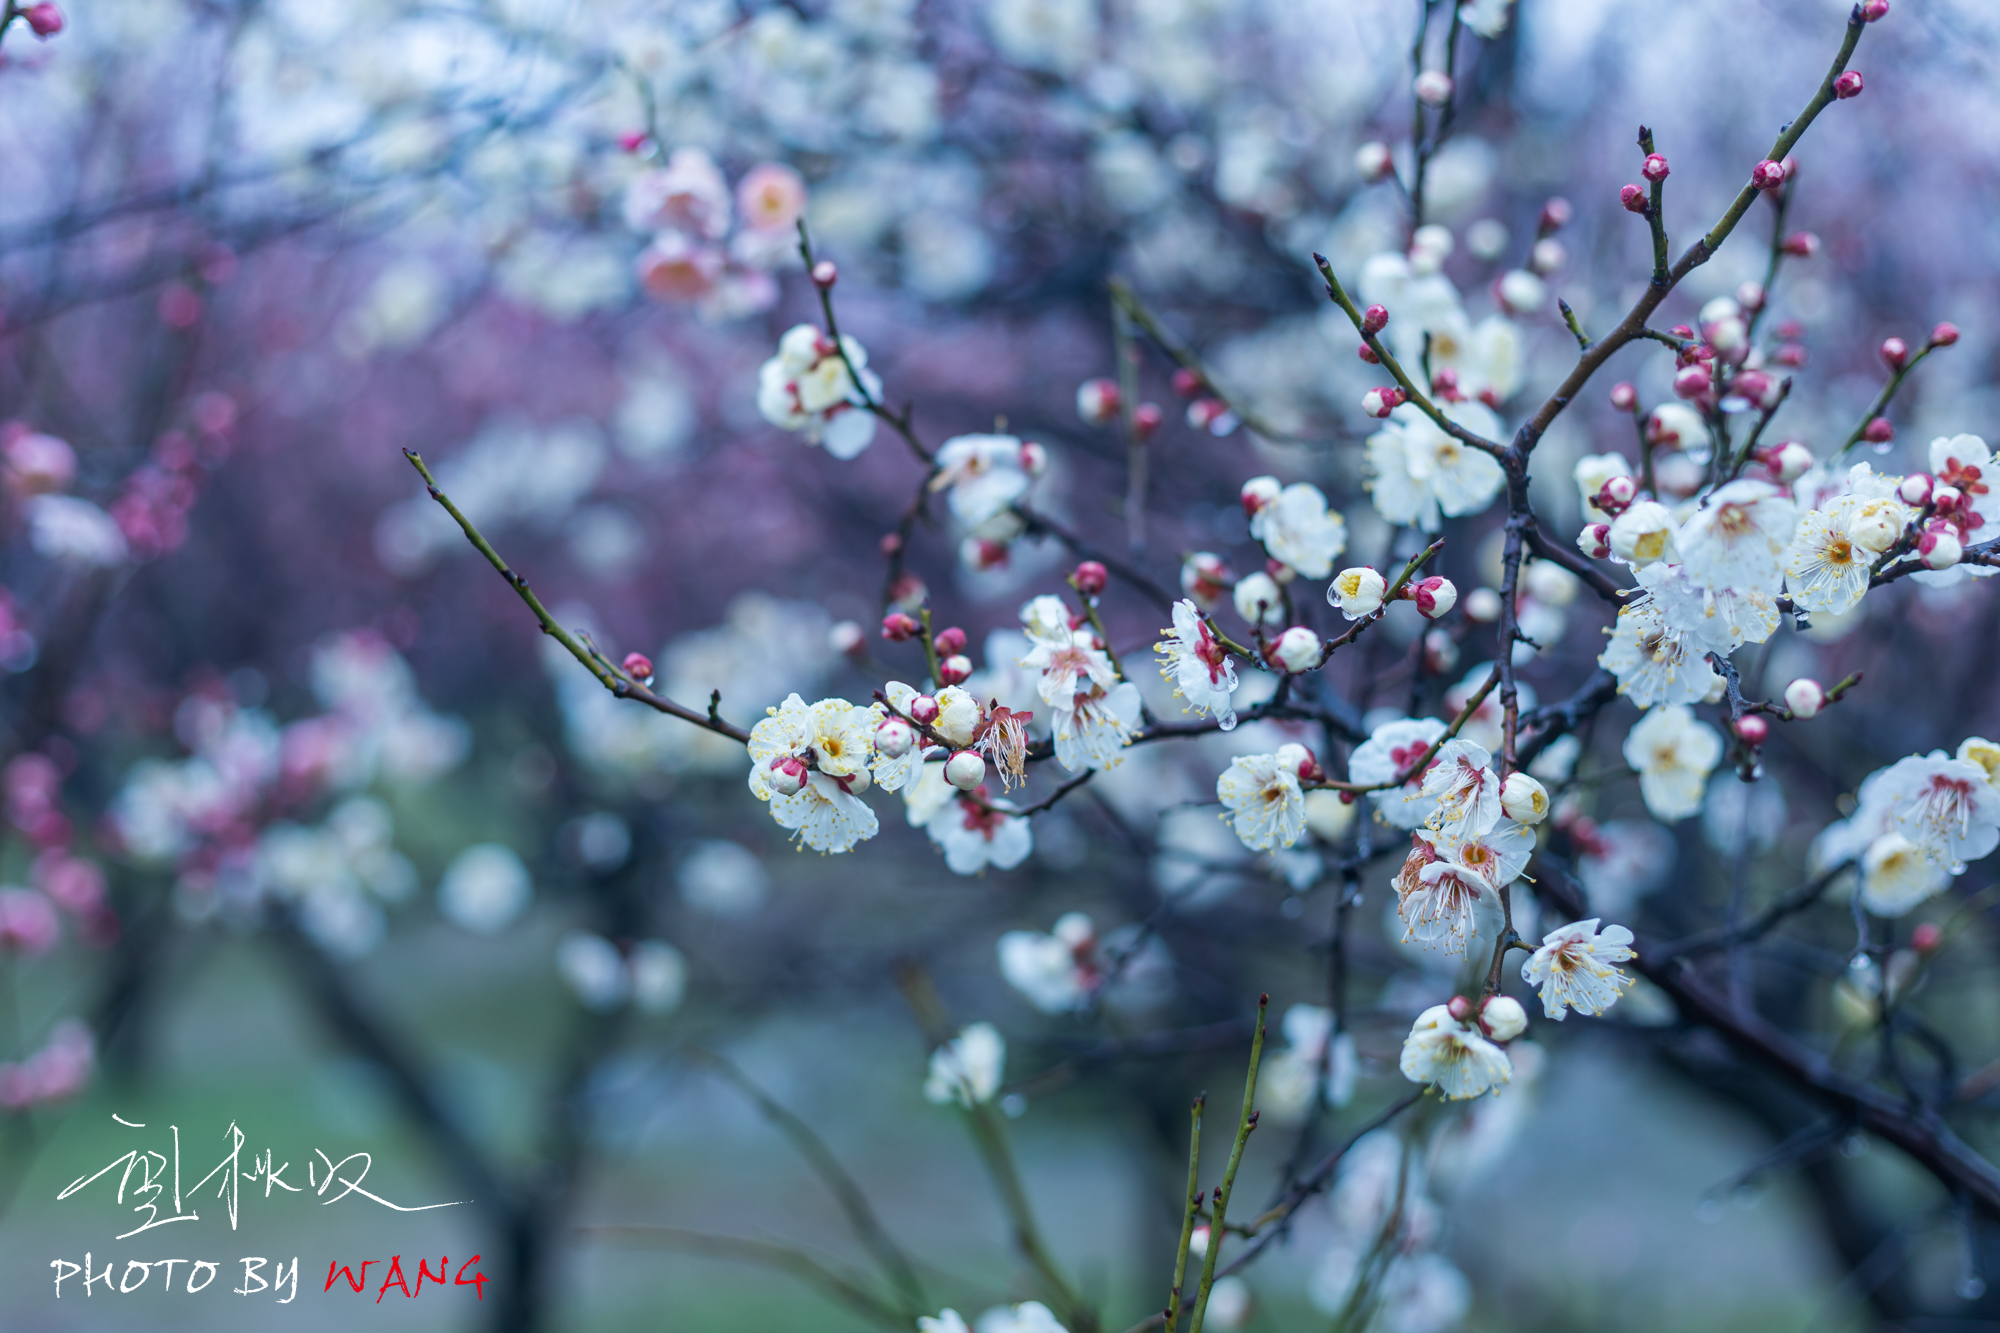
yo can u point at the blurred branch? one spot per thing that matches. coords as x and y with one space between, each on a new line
1219 1229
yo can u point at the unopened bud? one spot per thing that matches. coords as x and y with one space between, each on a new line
1873 530
1656 168
954 670
1895 353
1357 592
1433 87
1927 937
1944 335
1616 495
1940 547
1367 354
788 775
1624 397
1693 381
1753 729
1767 175
1879 431
824 274
1279 570
1790 461
1381 402
1946 498
1800 245
894 737
1595 540
1440 652
1097 401
1188 382
1548 255
1297 649
1791 355
1146 419
1503 1018
1434 596
1847 85
898 628
1640 534
1915 490
639 667
1556 214
1750 295
1757 388
1525 800
1374 319
1872 10
1034 458
1633 198
1374 160
949 641
44 19
965 770
1258 493
1805 697
1462 1008
924 709
1090 578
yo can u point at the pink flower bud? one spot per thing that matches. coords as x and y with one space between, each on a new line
632 141
894 737
1895 353
949 641
924 709
1257 494
1461 1008
1656 168
1434 596
1927 937
1693 381
1146 419
1682 331
891 543
1503 1018
1381 402
955 669
1616 494
1750 295
1556 215
1915 490
1945 498
1367 354
1444 384
788 775
1879 431
1940 547
1873 10
1767 175
1433 87
1790 461
1091 578
1753 729
45 19
1791 355
898 628
1310 770
1595 540
1188 383
1800 245
824 274
1212 415
1374 319
1944 335
639 667
965 770
1097 401
1847 85
1633 198
1297 649
1624 397
1034 458
1374 161
1805 697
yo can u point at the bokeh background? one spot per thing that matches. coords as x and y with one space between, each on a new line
376 870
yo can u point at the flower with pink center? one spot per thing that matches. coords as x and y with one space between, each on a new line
1964 464
1444 878
1945 806
1263 799
1574 968
1095 731
771 197
1386 755
1071 663
677 268
687 195
1738 538
975 831
1003 739
1467 790
1198 665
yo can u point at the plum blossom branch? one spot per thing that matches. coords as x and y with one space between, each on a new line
1724 937
611 678
1422 761
898 421
1244 1125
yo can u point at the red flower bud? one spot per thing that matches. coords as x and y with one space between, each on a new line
1895 353
954 670
1847 85
1091 577
1873 10
1801 245
45 19
1374 319
949 641
1767 175
1146 419
1367 354
898 628
639 667
825 274
1461 1008
1753 729
1944 335
1187 383
924 709
1878 431
1633 198
1556 214
1624 397
1926 937
1656 168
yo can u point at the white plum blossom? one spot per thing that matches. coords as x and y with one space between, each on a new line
1453 1057
1654 662
967 1069
1095 732
1826 568
1706 619
687 195
1198 665
1289 1079
1265 803
1028 1316
1057 971
1462 782
1674 753
945 1321
1642 534
1591 472
63 527
1964 463
1259 600
806 387
1897 875
1389 752
974 836
1738 538
1297 528
1071 662
1574 968
1419 475
1357 592
1445 877
985 474
1946 806
825 810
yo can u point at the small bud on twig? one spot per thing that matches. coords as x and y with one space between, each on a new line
1633 198
1624 397
1374 319
1767 175
1895 353
1944 335
1656 168
1847 85
639 667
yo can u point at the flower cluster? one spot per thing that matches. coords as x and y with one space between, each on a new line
684 206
